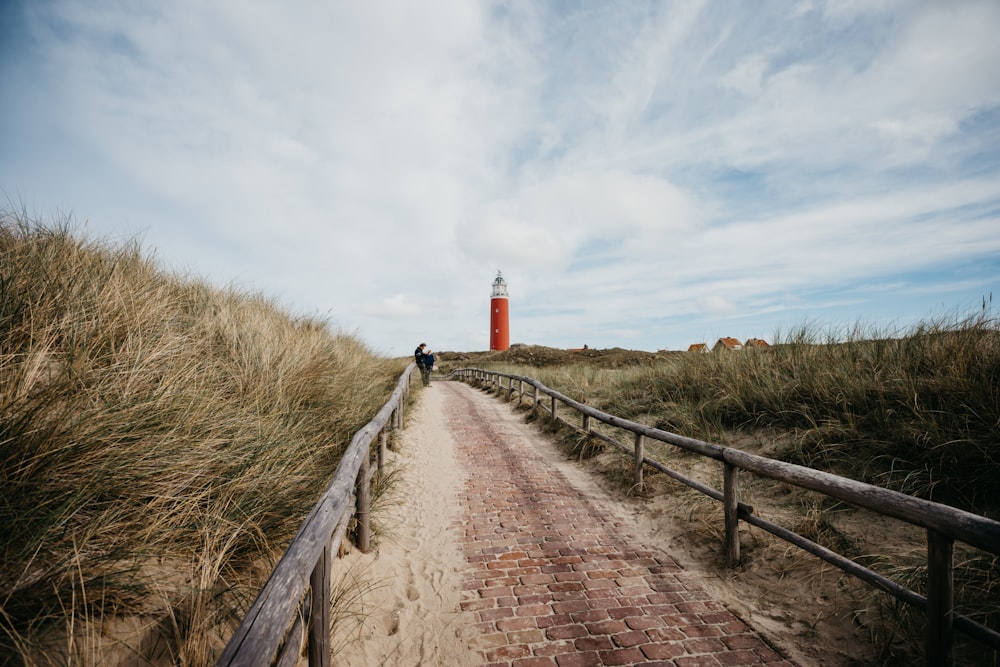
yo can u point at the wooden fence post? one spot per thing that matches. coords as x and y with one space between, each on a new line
940 598
403 396
553 408
730 502
520 391
383 438
363 484
639 456
319 611
534 400
586 422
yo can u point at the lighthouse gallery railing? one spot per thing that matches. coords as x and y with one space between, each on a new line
943 524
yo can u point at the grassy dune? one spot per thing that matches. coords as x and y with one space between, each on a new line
917 411
160 442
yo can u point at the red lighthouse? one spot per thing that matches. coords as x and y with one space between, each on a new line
499 324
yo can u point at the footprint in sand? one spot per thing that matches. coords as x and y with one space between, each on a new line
412 592
393 623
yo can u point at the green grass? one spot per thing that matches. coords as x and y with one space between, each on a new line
161 440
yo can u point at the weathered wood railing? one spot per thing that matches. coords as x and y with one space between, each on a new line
274 629
944 524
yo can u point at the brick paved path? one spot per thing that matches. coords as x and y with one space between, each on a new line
554 580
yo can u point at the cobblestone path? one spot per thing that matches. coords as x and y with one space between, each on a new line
555 580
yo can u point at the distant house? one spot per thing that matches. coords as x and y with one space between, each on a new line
756 342
698 347
727 344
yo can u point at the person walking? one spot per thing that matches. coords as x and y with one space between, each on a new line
420 357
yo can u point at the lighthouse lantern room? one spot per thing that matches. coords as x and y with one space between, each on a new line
499 324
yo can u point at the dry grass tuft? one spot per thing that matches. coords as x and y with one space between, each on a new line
161 442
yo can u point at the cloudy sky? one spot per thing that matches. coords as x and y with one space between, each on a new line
646 174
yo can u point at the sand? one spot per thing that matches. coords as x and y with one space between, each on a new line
408 612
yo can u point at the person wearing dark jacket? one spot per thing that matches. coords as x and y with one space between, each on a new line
420 358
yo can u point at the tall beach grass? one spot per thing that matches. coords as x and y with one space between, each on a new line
915 410
160 442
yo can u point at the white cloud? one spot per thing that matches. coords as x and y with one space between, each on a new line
747 76
393 307
918 128
718 304
851 10
510 241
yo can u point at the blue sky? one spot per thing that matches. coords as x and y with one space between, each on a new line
647 175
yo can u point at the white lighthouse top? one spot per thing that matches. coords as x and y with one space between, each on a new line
499 287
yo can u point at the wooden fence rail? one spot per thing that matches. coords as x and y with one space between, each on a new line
944 524
294 605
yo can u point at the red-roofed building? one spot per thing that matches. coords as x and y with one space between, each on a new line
728 344
756 342
698 347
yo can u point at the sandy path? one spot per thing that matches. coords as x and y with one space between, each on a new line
418 603
408 611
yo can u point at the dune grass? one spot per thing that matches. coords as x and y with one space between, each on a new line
917 411
161 440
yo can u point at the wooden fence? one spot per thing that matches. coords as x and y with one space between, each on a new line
294 606
944 524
